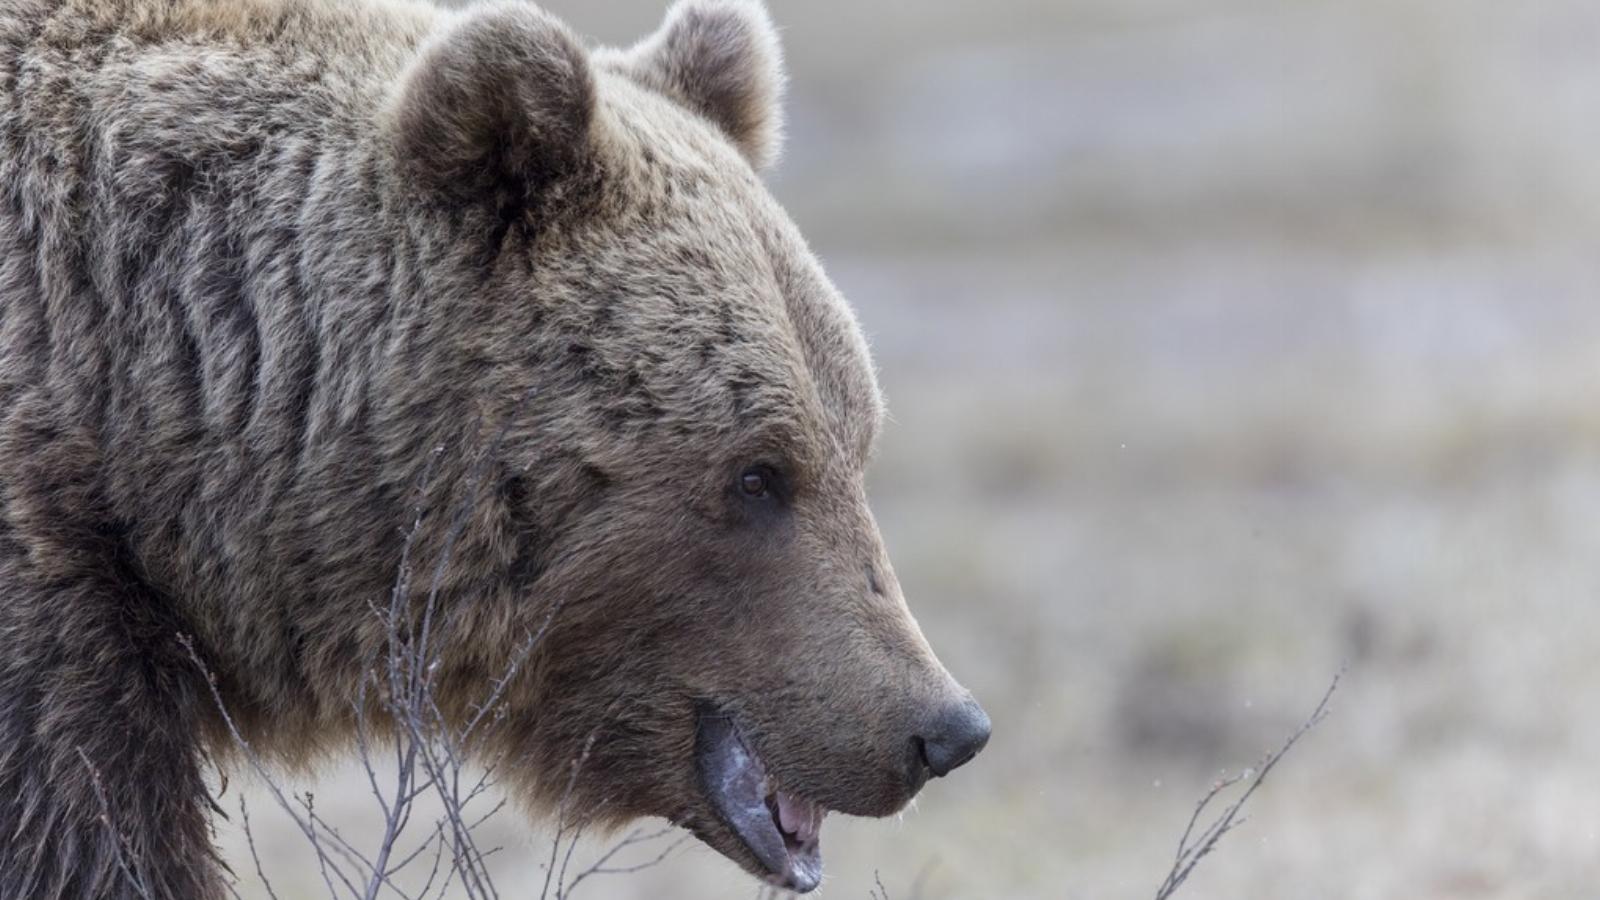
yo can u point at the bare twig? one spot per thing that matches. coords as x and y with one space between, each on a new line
250 838
562 819
118 839
1194 847
600 867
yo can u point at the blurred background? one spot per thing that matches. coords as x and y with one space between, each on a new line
1226 342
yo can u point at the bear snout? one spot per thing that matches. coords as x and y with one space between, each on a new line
952 736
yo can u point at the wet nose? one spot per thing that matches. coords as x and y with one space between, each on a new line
954 737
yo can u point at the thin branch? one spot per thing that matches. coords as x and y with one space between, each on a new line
600 868
118 839
250 838
561 818
880 892
1193 848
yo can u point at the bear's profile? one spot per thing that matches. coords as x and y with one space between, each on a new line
261 259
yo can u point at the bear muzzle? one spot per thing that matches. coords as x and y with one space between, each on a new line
776 833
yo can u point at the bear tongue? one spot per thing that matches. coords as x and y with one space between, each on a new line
800 818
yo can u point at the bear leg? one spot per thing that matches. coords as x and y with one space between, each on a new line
102 792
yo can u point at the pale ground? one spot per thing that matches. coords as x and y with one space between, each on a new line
1226 342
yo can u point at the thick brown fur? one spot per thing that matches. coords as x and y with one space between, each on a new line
260 259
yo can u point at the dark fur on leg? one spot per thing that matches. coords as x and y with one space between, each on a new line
101 789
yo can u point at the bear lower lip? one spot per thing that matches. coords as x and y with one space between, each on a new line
780 830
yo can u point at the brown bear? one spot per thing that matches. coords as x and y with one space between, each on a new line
274 273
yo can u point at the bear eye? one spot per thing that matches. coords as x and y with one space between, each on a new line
756 483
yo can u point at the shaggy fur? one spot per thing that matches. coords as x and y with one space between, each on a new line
260 258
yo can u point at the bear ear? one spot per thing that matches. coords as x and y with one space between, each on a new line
496 109
721 59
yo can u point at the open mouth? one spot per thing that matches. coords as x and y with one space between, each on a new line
781 830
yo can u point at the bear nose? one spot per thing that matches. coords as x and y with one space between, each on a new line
954 737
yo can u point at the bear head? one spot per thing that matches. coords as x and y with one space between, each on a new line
690 409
